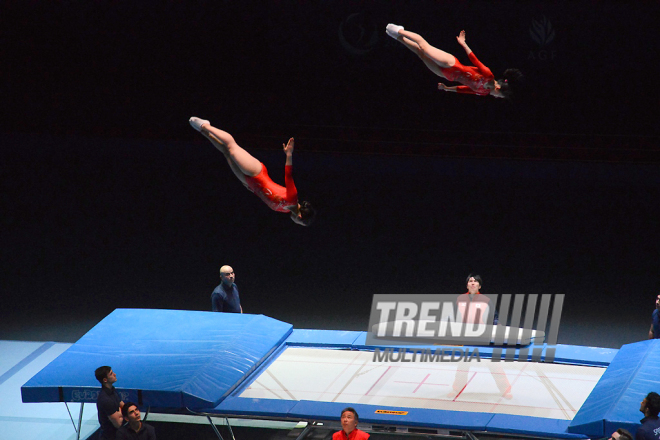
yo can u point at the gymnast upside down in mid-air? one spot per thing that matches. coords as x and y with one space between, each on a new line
477 79
254 176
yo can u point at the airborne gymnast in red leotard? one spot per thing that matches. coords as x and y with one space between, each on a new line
254 175
477 79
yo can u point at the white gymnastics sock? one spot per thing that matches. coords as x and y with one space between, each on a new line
197 123
393 30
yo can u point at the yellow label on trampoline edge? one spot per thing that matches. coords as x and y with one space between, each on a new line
396 413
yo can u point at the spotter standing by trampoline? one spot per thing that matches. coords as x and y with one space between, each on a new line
476 80
254 175
349 422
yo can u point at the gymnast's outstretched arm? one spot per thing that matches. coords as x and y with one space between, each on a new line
461 41
288 151
291 191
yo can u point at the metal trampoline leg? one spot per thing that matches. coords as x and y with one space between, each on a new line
230 430
82 408
214 428
304 433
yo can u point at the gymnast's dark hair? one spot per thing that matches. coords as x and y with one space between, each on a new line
476 277
624 434
307 213
351 409
653 403
127 407
511 80
102 373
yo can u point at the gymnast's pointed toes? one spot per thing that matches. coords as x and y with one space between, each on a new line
197 123
393 30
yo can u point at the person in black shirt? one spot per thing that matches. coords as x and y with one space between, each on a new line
225 296
135 429
108 404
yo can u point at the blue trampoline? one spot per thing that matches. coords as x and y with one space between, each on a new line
254 366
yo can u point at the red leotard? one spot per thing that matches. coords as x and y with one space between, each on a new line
473 78
277 197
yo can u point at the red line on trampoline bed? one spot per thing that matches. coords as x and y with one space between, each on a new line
421 383
435 366
425 383
463 389
474 402
381 376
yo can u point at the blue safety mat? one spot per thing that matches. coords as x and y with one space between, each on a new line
163 358
614 402
400 416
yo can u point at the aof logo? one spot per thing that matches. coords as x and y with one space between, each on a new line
543 34
358 34
84 395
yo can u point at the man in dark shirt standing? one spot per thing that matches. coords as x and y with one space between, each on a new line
654 331
225 297
134 429
650 429
108 404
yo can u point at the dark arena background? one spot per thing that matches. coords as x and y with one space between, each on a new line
111 200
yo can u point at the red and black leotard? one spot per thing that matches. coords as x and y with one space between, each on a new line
473 78
277 197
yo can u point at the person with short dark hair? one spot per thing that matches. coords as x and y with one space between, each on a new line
225 296
349 422
476 79
108 404
473 295
254 175
650 407
621 434
654 331
134 429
